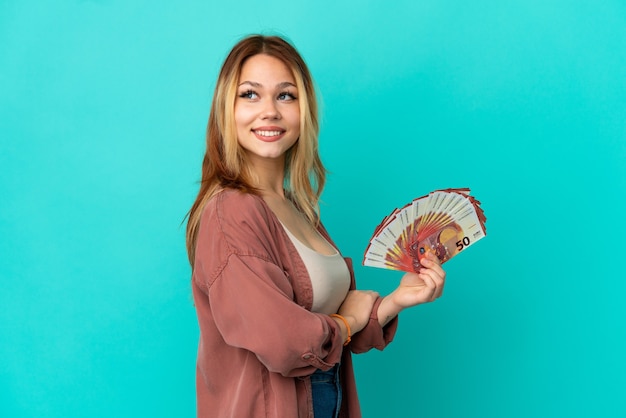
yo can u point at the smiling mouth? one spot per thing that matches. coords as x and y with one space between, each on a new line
268 134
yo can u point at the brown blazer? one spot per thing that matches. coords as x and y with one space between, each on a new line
259 340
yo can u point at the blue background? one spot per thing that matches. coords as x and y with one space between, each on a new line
103 106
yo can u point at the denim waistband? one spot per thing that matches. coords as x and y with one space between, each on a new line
329 376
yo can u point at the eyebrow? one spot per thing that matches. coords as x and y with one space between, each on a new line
279 85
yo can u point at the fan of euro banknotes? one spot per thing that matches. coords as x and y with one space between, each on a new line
444 222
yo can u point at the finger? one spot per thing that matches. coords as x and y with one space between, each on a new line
439 276
433 257
437 280
431 286
439 291
433 265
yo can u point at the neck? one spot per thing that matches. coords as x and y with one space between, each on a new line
270 174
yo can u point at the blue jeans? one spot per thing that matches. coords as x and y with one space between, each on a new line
326 393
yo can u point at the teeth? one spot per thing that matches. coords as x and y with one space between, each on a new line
268 133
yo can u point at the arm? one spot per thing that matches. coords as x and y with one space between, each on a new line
252 306
355 311
373 335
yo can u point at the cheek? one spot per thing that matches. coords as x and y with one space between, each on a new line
243 117
294 119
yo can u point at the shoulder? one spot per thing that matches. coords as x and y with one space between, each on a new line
235 223
229 198
240 220
236 207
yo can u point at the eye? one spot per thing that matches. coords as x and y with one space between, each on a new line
249 94
286 96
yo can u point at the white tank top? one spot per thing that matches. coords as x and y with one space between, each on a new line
330 277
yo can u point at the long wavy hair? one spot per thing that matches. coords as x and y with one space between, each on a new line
225 164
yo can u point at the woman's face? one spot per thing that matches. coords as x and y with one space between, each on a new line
267 113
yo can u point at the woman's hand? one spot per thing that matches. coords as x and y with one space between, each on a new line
422 287
414 289
357 309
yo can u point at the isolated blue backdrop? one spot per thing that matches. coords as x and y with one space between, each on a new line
103 106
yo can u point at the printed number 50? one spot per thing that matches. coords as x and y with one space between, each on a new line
462 243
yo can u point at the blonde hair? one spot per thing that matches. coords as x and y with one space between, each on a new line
224 164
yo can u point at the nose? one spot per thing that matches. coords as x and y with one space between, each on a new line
270 111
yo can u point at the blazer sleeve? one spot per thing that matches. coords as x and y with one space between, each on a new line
253 309
373 335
